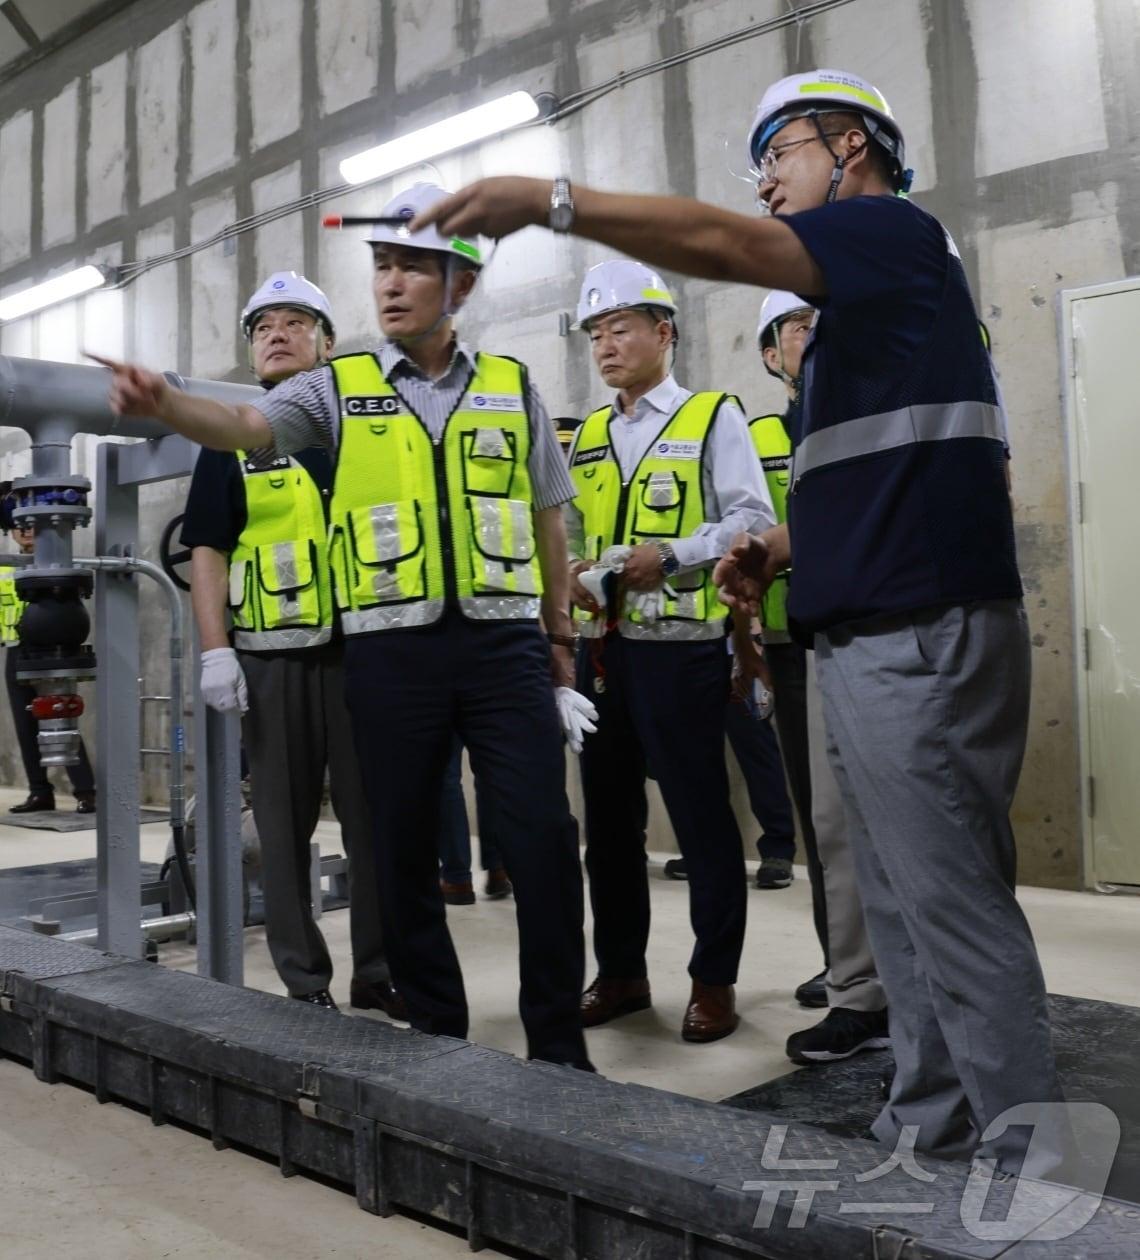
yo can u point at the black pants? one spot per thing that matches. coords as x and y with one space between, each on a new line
789 681
409 691
298 725
753 743
20 695
662 704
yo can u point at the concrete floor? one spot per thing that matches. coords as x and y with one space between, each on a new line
104 1180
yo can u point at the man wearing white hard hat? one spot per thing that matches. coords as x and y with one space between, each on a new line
665 479
446 541
272 650
905 575
849 984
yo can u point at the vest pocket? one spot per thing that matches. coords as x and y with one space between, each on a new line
502 545
385 547
287 581
489 459
241 593
659 507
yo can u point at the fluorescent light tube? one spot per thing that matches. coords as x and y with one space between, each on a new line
59 289
441 137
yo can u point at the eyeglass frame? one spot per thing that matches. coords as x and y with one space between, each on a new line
771 154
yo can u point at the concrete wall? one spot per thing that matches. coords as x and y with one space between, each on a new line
172 119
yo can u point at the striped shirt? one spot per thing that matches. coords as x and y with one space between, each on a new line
305 411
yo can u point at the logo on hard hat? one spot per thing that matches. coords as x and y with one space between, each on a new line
278 284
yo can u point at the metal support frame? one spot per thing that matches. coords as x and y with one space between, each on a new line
217 737
117 695
217 827
53 402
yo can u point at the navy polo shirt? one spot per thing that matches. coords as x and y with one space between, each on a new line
215 507
898 500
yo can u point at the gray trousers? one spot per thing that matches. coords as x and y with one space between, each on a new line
852 979
926 716
298 725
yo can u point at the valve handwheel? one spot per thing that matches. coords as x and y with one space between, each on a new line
175 564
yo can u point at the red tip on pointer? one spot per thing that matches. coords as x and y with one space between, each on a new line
331 220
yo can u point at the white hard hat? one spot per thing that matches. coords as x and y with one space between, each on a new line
287 288
824 91
409 203
778 304
620 282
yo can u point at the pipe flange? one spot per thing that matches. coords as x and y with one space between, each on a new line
77 513
31 581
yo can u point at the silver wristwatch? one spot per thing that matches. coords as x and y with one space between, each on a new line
561 218
669 562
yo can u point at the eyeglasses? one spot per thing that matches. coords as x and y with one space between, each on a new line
766 167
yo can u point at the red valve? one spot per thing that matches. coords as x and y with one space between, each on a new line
44 707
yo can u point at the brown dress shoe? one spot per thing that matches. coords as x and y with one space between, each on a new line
457 894
711 1013
607 999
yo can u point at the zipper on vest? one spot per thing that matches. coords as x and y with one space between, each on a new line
623 503
450 580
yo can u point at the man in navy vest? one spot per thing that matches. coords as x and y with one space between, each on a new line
905 578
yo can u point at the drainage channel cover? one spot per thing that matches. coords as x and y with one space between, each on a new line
1095 1044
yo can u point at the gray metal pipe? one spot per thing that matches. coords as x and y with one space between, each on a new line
164 928
177 775
55 401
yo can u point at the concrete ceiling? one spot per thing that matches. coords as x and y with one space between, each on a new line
30 27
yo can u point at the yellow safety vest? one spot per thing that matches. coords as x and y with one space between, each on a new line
11 607
280 586
662 502
774 447
416 522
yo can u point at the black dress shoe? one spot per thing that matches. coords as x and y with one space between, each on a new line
378 995
579 1065
85 802
813 992
37 803
319 997
498 885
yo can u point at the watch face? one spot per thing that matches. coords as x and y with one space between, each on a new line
561 217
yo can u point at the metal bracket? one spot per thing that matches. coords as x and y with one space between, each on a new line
900 1243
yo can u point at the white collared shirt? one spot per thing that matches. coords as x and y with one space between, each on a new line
732 479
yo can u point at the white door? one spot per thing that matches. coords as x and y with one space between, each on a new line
1104 441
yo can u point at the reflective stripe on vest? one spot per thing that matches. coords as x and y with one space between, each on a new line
774 447
280 588
889 430
11 607
416 522
663 501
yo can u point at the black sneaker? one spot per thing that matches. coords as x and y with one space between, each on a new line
813 992
675 869
840 1034
774 873
319 997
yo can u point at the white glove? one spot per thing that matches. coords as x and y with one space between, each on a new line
223 683
614 558
649 604
577 715
594 581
